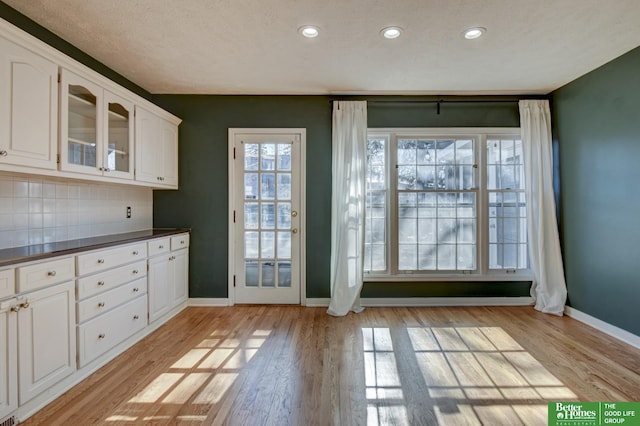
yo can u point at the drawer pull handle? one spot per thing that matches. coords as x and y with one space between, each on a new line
160 246
100 260
135 271
181 241
101 336
101 305
24 305
51 273
100 283
15 308
136 317
135 290
135 253
3 153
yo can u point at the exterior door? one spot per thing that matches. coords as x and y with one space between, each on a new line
267 216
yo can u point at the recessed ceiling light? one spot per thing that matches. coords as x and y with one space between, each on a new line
391 32
472 33
309 31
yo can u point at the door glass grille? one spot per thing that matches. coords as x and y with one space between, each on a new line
267 214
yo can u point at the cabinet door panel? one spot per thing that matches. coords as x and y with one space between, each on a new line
8 359
170 154
46 339
118 138
148 153
28 108
158 287
81 131
180 276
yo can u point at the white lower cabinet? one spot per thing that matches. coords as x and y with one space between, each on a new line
168 277
46 338
62 318
179 270
97 336
8 357
159 295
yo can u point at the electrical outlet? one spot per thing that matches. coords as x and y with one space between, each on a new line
128 212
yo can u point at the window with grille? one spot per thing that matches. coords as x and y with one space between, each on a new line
445 202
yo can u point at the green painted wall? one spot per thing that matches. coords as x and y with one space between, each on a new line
596 121
19 20
201 203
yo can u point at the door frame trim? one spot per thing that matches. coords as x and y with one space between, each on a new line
303 204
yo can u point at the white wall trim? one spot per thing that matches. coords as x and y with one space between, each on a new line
221 301
432 301
232 132
605 327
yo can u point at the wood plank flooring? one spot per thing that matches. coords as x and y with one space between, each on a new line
283 365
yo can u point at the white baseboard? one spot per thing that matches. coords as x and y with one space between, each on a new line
208 301
605 327
319 302
432 301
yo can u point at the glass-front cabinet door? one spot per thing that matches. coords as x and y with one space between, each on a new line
80 133
118 139
96 129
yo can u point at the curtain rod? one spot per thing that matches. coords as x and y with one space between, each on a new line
436 101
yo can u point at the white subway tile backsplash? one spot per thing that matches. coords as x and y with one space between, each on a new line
35 188
48 190
20 188
35 210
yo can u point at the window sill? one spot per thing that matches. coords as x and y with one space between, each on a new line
518 276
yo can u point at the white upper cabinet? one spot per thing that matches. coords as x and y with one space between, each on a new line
28 108
60 118
96 129
156 149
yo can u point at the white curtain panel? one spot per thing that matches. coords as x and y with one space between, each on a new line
349 143
549 288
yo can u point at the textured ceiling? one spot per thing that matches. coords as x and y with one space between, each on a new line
252 46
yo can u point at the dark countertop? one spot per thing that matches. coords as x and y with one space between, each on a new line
15 255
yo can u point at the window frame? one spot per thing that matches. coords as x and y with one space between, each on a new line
479 135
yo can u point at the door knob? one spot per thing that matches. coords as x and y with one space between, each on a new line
294 230
294 213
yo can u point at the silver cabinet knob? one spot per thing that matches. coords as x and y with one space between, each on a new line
160 246
51 273
24 305
3 153
136 317
101 305
135 253
135 272
135 290
15 308
100 283
100 260
101 336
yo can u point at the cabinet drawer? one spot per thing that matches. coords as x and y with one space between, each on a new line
108 300
106 259
159 245
44 274
98 283
179 242
7 283
102 333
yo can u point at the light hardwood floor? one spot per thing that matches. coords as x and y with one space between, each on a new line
280 365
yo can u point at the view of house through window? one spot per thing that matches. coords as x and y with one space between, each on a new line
445 202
